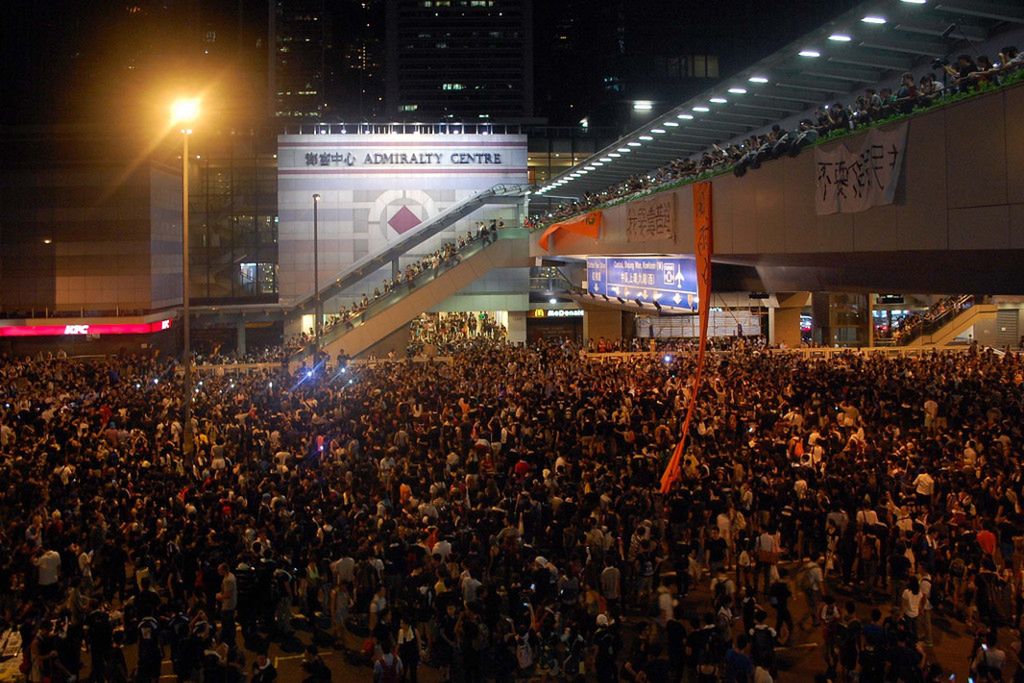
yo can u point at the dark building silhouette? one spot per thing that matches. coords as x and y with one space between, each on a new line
464 60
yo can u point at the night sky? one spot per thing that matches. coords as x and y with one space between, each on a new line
70 60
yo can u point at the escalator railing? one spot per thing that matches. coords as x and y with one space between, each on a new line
336 326
932 320
372 263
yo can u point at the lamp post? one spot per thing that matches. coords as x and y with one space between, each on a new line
316 278
183 113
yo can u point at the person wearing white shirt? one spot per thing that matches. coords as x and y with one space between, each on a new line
48 564
867 517
924 488
442 548
925 617
911 602
344 570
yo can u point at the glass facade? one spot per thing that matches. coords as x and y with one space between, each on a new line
233 217
555 149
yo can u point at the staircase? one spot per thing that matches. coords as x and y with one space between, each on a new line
383 316
499 195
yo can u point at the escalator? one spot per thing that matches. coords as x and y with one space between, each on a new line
499 195
385 315
945 331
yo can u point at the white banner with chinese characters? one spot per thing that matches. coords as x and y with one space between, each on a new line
652 219
853 180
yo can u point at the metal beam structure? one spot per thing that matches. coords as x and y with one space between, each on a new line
869 46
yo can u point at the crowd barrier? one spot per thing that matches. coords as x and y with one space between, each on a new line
246 368
827 353
817 352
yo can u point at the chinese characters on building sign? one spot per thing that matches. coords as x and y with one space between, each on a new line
853 180
651 220
402 158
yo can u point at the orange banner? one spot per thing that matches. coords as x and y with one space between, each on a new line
702 248
587 225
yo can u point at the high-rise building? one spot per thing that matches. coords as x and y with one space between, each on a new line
600 58
299 43
462 60
356 70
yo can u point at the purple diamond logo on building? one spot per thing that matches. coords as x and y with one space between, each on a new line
404 220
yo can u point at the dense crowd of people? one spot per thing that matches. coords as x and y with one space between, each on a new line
912 326
965 75
499 517
448 330
449 254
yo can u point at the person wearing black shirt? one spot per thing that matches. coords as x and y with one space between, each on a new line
314 667
607 642
848 639
101 641
675 632
715 551
899 568
148 600
151 652
263 670
778 597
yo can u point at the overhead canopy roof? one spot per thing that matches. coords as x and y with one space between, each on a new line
873 43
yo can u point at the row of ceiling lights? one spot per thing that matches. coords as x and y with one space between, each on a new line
659 129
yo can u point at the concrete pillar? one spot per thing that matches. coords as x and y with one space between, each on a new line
395 269
517 327
871 319
784 321
821 312
840 318
240 338
601 323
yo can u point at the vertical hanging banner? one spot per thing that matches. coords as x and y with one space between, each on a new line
703 247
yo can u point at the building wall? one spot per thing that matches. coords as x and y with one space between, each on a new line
365 206
961 193
602 323
165 238
84 237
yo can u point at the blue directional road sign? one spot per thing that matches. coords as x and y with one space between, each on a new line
669 280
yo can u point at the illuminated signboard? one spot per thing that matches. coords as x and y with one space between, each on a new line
668 280
405 154
376 188
80 330
557 313
408 159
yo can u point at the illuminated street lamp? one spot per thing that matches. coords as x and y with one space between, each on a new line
316 279
184 113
